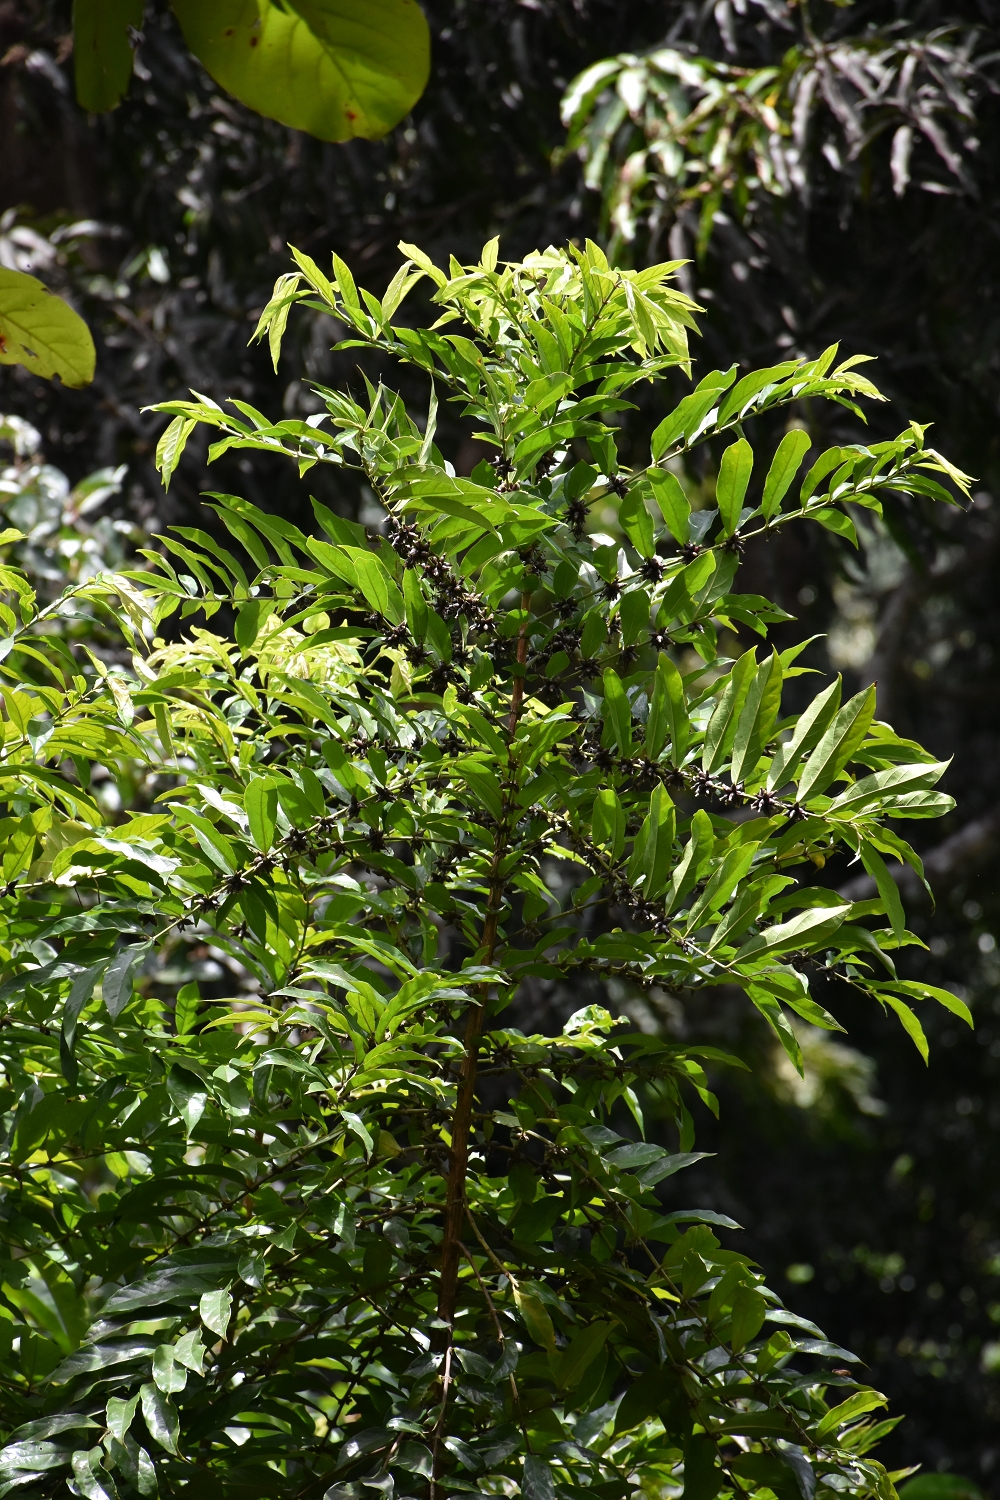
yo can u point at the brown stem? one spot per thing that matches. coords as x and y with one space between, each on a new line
461 1124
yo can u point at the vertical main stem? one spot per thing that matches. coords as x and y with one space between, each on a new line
462 1120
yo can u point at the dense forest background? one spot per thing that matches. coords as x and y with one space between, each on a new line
870 1190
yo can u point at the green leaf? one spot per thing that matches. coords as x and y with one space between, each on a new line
633 615
81 992
770 1009
652 856
535 1317
757 717
42 332
102 51
721 730
838 744
749 1311
119 1415
809 730
882 786
415 605
479 775
378 588
186 1008
917 989
731 489
261 803
173 441
618 712
608 823
702 1477
675 506
723 883
667 713
116 986
168 1375
837 521
887 887
808 929
690 413
848 1411
91 1478
160 1416
823 466
637 523
537 1480
910 1024
643 1398
571 1365
784 466
697 852
333 68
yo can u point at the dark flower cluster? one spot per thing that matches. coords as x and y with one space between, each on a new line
451 597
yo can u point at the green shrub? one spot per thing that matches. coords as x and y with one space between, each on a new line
288 1209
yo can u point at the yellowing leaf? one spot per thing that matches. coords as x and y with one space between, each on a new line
334 68
42 332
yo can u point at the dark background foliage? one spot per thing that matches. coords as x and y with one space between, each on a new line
870 1192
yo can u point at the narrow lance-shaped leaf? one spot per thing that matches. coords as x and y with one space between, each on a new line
116 986
722 884
838 744
637 523
694 859
770 1008
618 712
784 466
721 731
653 853
887 887
731 488
608 823
808 732
667 713
757 717
910 1024
675 506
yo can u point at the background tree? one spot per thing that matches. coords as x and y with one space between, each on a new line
198 199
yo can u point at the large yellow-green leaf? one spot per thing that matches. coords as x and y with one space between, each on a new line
102 52
334 68
40 330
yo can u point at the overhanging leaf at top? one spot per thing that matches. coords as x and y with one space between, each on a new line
102 52
42 332
333 68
